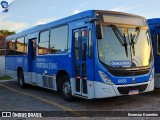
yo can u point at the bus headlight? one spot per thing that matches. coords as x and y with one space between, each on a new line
105 78
152 75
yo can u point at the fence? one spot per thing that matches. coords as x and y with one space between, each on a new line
2 57
2 65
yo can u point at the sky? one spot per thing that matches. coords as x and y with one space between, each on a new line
24 14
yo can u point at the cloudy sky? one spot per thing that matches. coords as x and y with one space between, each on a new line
27 13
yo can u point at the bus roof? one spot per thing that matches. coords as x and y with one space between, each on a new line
153 23
85 14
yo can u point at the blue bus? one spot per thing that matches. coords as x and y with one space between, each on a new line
154 25
93 54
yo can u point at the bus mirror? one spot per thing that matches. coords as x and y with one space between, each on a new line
99 32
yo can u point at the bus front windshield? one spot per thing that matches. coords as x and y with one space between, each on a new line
125 46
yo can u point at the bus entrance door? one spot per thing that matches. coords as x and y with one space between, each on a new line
32 59
80 46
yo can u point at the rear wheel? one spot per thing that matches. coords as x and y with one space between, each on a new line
66 90
21 79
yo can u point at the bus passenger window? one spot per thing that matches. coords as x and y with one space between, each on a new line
59 40
20 46
10 47
43 47
25 45
158 44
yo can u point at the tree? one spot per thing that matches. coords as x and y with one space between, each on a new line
6 33
3 35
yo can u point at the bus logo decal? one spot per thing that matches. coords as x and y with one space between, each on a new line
120 63
47 65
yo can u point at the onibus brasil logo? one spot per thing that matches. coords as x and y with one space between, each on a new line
5 5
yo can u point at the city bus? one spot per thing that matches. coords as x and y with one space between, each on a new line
91 55
154 26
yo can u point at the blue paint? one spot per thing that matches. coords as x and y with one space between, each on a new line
66 62
155 30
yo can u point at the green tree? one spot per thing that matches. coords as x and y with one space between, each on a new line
5 33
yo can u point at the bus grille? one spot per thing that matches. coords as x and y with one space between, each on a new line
125 90
129 72
48 82
45 83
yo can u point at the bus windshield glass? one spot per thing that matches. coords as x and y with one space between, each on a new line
125 47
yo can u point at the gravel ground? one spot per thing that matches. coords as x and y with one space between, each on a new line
13 98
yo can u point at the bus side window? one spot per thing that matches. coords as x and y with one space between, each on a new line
59 40
158 44
25 46
11 47
90 44
43 46
20 46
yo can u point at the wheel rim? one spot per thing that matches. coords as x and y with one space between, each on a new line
67 88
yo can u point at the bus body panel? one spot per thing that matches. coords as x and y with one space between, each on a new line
42 70
154 30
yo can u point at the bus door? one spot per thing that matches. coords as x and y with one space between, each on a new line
80 47
32 58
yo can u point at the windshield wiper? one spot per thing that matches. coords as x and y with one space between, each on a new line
134 39
121 38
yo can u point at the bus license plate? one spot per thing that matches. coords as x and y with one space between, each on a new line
133 92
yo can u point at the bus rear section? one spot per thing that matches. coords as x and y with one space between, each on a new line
93 54
154 25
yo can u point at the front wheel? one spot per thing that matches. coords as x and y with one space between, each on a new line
66 90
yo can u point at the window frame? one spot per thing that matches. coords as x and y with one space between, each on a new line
43 42
67 38
16 46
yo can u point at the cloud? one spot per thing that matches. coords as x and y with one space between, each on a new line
44 21
11 25
76 11
124 8
79 7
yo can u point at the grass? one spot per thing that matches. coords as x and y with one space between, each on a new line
6 78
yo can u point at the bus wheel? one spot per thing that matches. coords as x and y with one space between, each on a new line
21 79
66 89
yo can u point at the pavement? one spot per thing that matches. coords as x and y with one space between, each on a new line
13 98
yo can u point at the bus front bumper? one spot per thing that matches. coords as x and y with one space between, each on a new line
103 90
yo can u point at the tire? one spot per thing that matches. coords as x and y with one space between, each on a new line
21 79
66 90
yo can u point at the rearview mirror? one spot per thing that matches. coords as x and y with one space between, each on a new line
99 31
